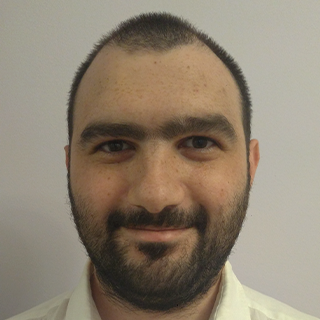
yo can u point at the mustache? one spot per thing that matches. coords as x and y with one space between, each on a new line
167 218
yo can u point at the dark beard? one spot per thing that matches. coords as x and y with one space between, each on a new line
159 283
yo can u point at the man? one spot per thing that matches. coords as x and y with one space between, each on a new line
160 165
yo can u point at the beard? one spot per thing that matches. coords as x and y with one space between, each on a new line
169 276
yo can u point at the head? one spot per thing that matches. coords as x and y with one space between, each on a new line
160 161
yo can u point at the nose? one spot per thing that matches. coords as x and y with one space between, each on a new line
157 184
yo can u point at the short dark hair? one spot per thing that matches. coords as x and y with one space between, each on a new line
161 32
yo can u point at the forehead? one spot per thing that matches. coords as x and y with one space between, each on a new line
148 87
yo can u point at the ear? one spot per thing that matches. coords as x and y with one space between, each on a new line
67 155
254 157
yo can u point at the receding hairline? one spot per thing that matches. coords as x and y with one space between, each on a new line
113 49
130 47
161 50
161 32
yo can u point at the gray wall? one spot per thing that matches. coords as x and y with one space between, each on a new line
277 43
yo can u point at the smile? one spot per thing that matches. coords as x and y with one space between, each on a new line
156 234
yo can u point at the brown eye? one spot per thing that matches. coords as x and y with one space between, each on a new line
115 146
199 143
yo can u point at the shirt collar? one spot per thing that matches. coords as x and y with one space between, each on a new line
81 304
231 301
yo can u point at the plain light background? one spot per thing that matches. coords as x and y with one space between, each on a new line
276 42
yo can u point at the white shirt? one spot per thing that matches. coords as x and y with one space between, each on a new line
234 302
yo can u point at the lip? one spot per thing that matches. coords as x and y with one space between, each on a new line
155 234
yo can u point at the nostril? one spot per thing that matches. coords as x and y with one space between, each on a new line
155 197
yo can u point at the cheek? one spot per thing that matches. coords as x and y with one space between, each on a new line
101 189
215 189
210 191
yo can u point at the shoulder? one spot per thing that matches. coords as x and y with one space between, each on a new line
263 307
50 310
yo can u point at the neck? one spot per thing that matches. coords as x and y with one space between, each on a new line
111 309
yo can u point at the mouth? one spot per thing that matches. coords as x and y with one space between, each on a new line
156 234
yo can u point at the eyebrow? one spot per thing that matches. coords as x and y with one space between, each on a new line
214 123
175 127
115 130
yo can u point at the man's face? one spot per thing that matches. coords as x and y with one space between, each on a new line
159 176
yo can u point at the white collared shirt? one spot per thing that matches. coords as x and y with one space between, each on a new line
234 302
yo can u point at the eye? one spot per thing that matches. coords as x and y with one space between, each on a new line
199 143
114 146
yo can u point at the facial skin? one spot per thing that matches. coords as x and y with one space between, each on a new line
158 167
